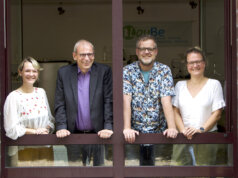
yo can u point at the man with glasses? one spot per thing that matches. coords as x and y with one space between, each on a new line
147 91
83 102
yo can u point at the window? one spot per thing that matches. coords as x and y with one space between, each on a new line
55 19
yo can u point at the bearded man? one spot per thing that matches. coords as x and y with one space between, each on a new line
147 91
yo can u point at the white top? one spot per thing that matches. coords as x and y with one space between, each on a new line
195 111
26 110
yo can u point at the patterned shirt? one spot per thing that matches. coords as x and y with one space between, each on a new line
26 110
147 113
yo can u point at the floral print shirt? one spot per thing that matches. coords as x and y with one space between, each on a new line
147 113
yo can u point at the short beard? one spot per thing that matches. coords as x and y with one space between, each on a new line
147 64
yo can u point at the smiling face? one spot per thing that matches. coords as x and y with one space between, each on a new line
146 52
195 64
84 56
28 73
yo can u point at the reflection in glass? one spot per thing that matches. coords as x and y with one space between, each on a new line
182 154
56 155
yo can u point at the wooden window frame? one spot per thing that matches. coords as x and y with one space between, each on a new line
119 170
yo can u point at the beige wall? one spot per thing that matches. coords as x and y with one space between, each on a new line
50 36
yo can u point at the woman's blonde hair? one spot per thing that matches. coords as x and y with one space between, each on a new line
35 64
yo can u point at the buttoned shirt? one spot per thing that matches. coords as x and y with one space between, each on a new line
146 109
83 121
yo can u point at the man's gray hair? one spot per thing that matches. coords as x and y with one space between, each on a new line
81 42
145 38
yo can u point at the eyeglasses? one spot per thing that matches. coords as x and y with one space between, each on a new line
83 55
150 50
195 62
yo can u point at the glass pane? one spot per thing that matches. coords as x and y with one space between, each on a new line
173 31
212 42
178 154
15 40
57 155
47 31
55 26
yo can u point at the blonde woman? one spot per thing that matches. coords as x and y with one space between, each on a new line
26 111
198 106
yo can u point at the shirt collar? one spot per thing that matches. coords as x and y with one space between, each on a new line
79 71
153 68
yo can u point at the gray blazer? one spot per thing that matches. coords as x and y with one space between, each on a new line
100 94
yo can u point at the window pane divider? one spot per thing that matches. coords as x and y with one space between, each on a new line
132 171
58 172
205 138
182 171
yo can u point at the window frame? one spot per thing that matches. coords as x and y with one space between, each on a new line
119 170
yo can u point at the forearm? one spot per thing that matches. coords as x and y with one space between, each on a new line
30 131
171 132
178 120
37 131
60 116
108 103
127 118
170 118
108 114
108 119
108 111
168 111
127 111
213 119
60 104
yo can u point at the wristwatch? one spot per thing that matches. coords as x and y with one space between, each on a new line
202 129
